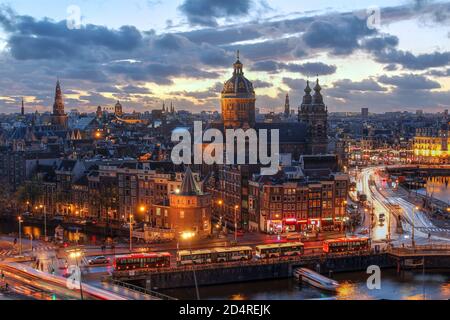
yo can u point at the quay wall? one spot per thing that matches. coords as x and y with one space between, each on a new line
216 275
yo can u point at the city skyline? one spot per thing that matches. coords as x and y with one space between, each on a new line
390 65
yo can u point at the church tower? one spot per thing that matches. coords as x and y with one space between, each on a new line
22 110
238 100
314 113
118 111
59 118
287 107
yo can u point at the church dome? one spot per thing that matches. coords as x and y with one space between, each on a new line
238 85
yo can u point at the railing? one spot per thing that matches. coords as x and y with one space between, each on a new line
422 249
200 267
141 290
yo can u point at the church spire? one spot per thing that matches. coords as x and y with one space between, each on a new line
287 106
58 106
317 98
238 66
22 110
307 98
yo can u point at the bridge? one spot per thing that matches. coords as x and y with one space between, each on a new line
427 256
419 170
255 270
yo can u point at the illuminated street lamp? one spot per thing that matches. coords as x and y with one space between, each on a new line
131 233
76 255
188 236
236 208
413 242
45 221
20 235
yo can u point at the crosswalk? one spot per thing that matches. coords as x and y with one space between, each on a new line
40 248
6 253
433 230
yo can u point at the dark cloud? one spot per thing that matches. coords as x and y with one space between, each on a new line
340 34
307 69
410 82
439 73
261 84
131 89
379 43
413 62
295 84
206 12
29 38
364 85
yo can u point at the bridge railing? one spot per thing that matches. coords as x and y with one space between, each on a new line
198 267
423 249
141 290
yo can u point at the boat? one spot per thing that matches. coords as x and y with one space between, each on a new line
315 279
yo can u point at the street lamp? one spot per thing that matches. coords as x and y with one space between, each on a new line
413 242
45 221
236 208
188 236
76 255
31 242
20 235
220 204
131 233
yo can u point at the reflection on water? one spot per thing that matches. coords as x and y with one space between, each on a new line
37 232
438 187
408 286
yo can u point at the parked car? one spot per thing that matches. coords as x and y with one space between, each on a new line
100 260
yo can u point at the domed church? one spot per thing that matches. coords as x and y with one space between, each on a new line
307 136
238 100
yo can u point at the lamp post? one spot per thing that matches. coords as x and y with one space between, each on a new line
220 203
20 235
236 207
413 242
188 236
31 242
344 207
131 233
75 255
45 221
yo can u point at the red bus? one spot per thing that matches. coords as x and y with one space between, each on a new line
346 245
142 261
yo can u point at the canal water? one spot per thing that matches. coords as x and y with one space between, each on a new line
438 187
408 286
11 228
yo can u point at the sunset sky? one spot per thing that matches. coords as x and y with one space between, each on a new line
142 52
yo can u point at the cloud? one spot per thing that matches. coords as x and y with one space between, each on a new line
410 82
363 85
206 12
307 69
295 84
33 39
340 33
413 62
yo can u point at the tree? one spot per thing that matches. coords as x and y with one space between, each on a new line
30 192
